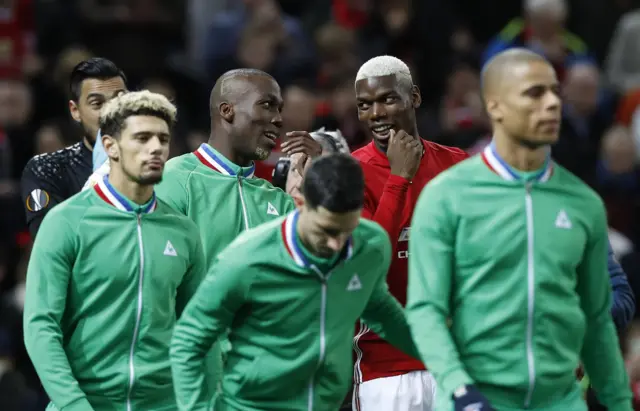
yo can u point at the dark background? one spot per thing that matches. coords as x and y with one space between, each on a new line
313 48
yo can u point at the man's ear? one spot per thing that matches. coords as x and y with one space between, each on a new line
494 110
73 109
111 147
416 97
226 111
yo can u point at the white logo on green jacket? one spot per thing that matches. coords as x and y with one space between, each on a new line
169 250
354 283
271 210
562 220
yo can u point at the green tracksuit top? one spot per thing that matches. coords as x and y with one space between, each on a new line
222 198
105 282
290 317
519 265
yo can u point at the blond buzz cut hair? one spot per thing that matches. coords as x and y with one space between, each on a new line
382 66
136 103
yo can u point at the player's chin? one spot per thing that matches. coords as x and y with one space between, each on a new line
151 177
263 151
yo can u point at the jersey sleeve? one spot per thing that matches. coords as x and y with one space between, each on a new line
173 190
600 352
431 276
39 195
204 320
384 314
623 305
48 276
389 210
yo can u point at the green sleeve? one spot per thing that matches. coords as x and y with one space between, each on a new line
204 320
431 276
173 190
384 314
194 275
190 283
601 354
48 277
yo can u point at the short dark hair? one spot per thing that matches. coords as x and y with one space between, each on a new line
335 182
94 68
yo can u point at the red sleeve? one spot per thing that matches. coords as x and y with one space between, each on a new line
391 206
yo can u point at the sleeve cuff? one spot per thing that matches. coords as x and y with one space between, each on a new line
453 380
397 181
81 404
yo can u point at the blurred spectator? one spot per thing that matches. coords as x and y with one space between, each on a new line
336 51
542 30
618 182
623 61
387 31
16 38
16 108
462 114
586 116
259 36
49 139
342 113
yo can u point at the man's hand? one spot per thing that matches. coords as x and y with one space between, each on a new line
469 398
404 153
301 142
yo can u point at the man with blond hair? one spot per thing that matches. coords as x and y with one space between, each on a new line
111 269
397 164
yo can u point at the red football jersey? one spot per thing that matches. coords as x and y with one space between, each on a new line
389 201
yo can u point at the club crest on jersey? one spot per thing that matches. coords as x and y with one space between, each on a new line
404 234
37 200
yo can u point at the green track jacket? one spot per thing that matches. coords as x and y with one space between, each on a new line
105 282
291 324
520 267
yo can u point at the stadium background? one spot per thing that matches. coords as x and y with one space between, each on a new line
313 48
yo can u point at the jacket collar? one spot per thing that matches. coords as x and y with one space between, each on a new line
289 235
504 170
109 194
216 161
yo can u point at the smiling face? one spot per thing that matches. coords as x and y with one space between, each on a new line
386 103
257 117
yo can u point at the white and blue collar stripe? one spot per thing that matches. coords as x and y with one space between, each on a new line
213 160
500 167
108 193
291 244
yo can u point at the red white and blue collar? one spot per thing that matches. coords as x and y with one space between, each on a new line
504 170
214 161
291 243
108 193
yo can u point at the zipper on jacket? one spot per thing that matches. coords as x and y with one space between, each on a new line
136 329
530 295
244 205
323 337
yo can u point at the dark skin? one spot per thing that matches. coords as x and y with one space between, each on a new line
391 101
246 118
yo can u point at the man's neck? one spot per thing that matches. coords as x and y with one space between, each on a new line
137 193
223 147
520 157
87 143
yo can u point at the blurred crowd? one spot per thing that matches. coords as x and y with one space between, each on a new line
313 48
